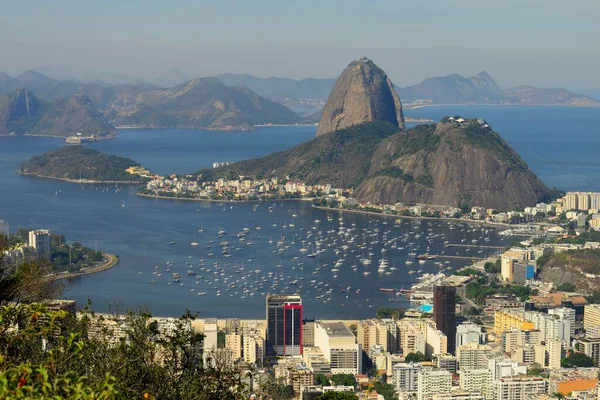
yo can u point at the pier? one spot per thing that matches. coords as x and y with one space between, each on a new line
480 246
458 257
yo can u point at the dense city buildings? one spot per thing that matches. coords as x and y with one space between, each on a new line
522 360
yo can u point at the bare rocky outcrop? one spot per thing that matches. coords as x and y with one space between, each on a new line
362 93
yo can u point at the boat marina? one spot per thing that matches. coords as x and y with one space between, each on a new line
348 261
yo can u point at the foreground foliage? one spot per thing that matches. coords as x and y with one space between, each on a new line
53 354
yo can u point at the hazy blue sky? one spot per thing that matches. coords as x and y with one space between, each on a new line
547 43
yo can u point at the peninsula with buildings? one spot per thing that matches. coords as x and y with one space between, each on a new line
66 260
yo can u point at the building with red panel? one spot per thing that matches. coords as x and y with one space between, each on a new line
284 325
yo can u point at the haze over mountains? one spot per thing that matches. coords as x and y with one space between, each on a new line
204 103
237 101
22 113
450 89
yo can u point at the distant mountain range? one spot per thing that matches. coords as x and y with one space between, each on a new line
231 101
450 89
22 113
204 103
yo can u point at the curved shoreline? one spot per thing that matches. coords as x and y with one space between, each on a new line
83 181
111 261
474 221
96 139
154 196
409 107
150 196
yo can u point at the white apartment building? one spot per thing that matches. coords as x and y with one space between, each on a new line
505 367
565 314
339 347
412 339
591 316
551 326
473 355
469 332
476 380
519 387
40 240
406 376
436 341
382 332
555 350
432 382
254 348
233 342
210 333
590 346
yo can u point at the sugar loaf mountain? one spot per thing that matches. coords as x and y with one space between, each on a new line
361 144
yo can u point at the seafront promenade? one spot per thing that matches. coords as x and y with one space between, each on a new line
382 214
110 261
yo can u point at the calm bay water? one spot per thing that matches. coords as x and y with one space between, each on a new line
558 143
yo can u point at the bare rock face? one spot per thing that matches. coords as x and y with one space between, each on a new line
362 93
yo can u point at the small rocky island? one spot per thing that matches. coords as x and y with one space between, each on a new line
85 165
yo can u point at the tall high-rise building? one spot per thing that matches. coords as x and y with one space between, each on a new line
444 313
284 325
40 240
